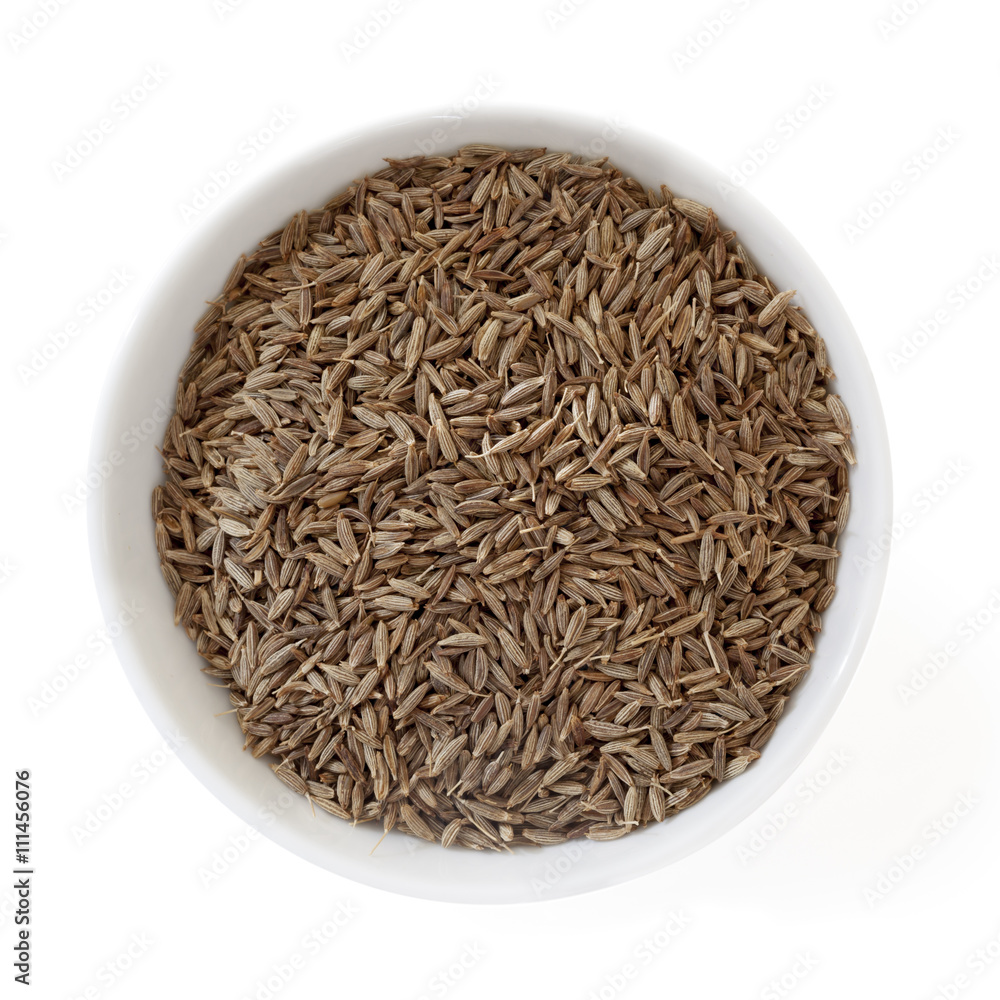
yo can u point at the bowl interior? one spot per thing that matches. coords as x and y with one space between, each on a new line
161 663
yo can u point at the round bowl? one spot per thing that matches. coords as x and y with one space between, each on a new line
163 667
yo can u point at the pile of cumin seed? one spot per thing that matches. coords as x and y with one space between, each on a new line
503 495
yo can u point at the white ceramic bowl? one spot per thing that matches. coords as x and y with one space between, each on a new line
160 660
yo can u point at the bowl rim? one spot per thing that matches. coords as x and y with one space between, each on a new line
108 579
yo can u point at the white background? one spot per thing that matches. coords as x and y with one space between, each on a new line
765 912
